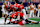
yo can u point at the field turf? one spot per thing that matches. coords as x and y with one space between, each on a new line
31 25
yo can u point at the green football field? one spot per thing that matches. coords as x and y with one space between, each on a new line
31 25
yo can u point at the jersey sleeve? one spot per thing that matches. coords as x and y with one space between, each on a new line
11 6
22 7
5 6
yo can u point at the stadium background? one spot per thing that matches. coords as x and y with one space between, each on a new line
20 1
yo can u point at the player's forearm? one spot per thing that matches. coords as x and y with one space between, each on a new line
21 10
5 16
13 10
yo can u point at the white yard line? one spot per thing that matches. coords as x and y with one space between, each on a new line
14 25
34 21
10 26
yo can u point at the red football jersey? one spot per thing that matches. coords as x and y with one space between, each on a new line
16 14
21 14
20 23
12 6
18 6
13 15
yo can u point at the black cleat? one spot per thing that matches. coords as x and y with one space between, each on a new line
9 23
37 23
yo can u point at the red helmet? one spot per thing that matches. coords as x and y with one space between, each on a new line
8 3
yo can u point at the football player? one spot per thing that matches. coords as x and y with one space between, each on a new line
17 7
31 10
35 9
22 20
3 10
38 9
7 11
